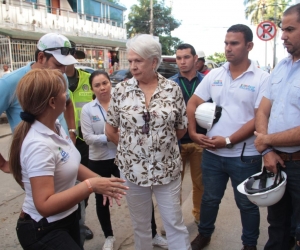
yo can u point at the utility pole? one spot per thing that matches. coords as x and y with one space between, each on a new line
275 20
151 17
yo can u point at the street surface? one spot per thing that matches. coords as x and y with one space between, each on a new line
227 235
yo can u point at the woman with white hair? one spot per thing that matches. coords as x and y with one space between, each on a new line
151 114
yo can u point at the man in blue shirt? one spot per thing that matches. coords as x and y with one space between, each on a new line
45 57
278 132
53 52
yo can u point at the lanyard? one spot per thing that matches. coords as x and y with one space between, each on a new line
186 91
101 112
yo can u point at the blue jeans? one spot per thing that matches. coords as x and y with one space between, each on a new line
216 171
279 215
59 235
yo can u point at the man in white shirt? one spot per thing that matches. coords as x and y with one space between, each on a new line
237 87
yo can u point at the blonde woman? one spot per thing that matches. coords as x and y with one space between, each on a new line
45 162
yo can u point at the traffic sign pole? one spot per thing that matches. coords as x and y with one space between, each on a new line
266 31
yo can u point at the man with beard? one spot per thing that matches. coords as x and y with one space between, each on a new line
278 130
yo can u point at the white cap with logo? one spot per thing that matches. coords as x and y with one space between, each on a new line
57 45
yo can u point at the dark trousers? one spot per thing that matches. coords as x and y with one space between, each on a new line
279 215
105 168
83 149
58 235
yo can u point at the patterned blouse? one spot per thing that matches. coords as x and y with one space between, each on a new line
153 158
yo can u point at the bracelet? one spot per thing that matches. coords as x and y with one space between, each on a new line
74 131
88 183
268 150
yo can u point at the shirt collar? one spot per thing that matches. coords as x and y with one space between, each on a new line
43 129
251 67
95 102
289 58
196 76
163 84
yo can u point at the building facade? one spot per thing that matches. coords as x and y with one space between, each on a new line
96 26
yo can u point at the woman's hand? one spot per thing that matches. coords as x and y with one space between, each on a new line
111 188
110 200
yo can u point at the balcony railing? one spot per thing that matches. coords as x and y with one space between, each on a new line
20 15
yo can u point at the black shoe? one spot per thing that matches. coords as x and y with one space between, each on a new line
200 242
292 242
88 233
249 248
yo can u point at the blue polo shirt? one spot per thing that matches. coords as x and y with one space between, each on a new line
284 93
9 102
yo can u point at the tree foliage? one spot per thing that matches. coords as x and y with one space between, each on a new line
217 57
262 10
169 44
163 23
113 1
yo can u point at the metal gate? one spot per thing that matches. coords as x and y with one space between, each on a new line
23 52
5 57
16 53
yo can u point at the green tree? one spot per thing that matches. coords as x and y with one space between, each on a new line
262 10
113 1
163 24
217 57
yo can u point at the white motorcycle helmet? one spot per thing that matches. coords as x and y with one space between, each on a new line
264 188
207 114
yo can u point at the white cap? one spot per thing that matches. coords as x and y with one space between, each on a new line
53 40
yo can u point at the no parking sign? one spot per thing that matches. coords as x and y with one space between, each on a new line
266 30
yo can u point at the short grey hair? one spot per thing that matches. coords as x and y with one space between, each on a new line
145 46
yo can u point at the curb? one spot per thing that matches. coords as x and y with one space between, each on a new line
3 119
1 136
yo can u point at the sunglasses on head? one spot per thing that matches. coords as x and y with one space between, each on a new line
146 118
63 50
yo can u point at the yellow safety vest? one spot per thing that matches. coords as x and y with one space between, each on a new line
81 95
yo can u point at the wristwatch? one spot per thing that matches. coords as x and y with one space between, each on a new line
74 131
228 143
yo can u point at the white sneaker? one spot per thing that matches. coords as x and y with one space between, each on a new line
109 243
159 241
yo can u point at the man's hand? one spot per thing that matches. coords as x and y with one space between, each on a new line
203 141
218 141
260 142
4 165
270 161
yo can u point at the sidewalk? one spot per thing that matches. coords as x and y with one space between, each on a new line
4 130
4 126
227 235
